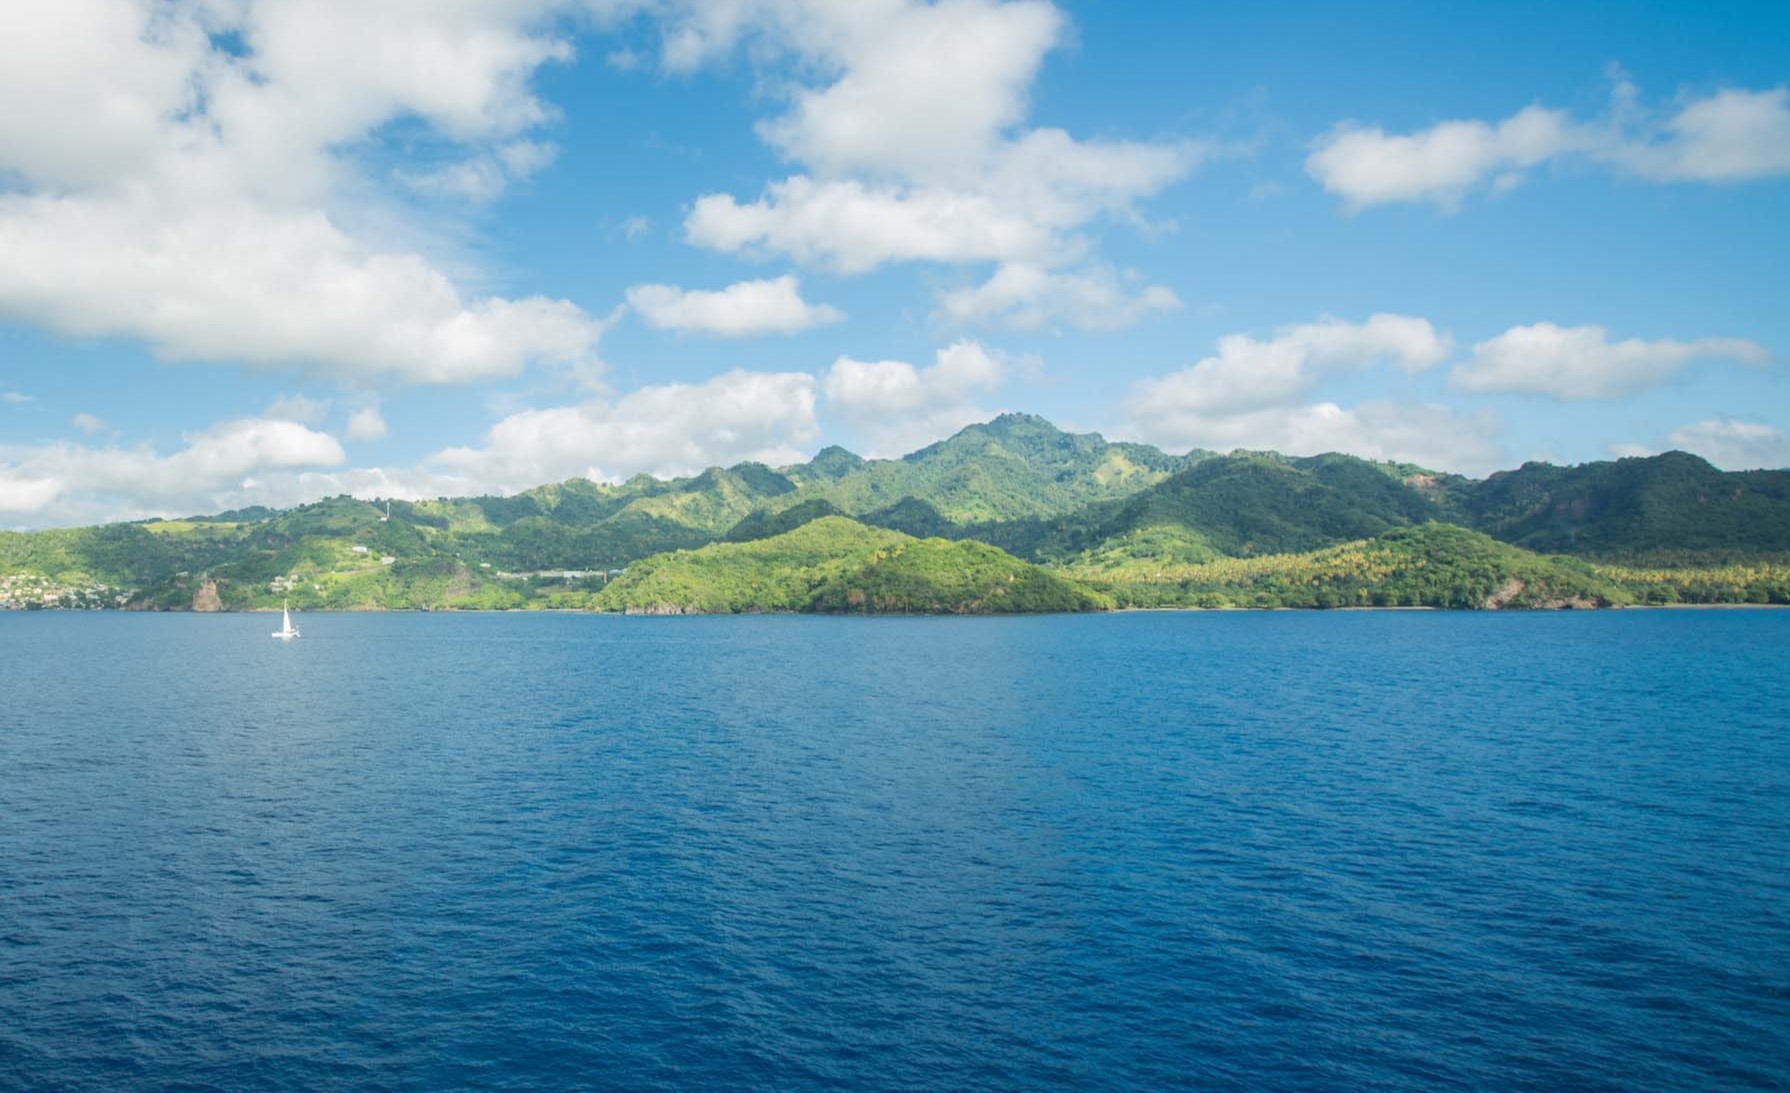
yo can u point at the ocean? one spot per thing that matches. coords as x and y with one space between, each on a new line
1215 851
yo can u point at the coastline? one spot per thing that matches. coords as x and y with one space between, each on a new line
916 614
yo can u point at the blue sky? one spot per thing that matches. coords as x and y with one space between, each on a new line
258 252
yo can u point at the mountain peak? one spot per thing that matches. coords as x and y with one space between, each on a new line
1017 422
835 462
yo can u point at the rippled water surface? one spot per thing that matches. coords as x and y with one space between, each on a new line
1395 851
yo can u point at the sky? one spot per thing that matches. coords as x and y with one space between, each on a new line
266 251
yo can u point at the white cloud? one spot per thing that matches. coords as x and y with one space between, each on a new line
367 423
1582 363
69 483
925 91
305 411
1432 436
16 398
1733 444
1024 296
911 137
852 227
1250 394
667 429
89 423
664 429
482 177
268 288
897 408
173 190
635 227
1367 166
1249 374
740 310
1730 136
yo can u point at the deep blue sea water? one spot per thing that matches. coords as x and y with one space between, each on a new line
1224 851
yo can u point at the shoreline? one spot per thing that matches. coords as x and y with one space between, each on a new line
918 615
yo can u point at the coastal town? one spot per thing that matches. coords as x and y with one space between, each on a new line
31 592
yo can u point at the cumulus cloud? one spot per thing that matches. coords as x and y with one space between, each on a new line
1733 444
1730 136
740 310
1369 166
367 423
1251 394
1249 373
663 429
172 189
912 140
1429 435
1582 363
1024 296
16 398
852 227
896 408
70 483
89 423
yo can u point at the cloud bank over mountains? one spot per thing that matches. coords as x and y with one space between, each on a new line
290 187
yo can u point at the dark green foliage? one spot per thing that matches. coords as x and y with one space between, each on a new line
914 517
765 523
781 573
838 565
1014 467
250 515
1432 565
1634 507
939 577
834 462
1150 527
1234 505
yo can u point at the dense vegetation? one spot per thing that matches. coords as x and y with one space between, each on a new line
1633 508
833 564
1433 565
952 526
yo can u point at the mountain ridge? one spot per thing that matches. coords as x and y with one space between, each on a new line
1017 484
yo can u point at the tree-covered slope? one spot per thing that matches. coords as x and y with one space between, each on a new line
1679 529
941 577
1013 467
834 564
1237 505
780 573
1670 503
765 523
1430 565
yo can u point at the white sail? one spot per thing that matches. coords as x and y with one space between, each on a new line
285 632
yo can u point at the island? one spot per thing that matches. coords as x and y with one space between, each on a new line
1011 516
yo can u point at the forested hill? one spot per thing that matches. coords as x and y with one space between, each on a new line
1669 503
1070 502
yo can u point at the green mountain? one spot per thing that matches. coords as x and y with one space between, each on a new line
1237 505
1430 565
1664 529
766 523
833 564
1011 468
1671 503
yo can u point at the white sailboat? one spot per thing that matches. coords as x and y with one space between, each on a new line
286 631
